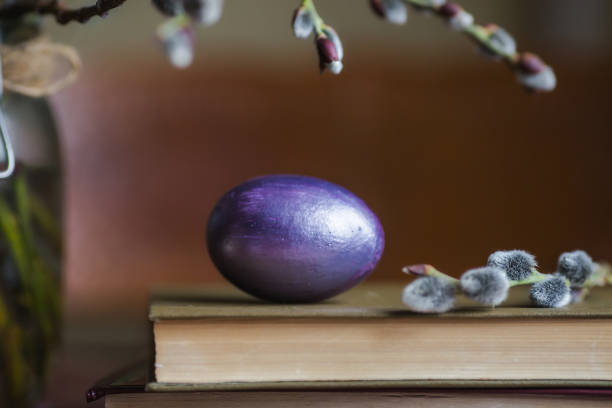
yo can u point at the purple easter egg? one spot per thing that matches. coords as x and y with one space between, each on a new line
289 238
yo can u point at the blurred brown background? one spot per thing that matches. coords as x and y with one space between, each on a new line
454 157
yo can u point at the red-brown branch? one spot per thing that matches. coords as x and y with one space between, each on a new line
62 14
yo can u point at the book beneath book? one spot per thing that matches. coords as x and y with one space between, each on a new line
353 399
220 339
126 389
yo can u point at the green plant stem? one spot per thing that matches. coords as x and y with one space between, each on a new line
318 21
12 236
481 36
5 316
12 358
535 277
46 221
25 356
15 363
41 290
428 270
434 272
170 26
421 3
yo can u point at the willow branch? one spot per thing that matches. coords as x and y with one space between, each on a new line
62 14
530 71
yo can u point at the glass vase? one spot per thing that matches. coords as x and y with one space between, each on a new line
30 249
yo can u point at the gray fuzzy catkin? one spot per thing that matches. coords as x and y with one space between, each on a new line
429 294
576 266
551 292
577 295
487 285
517 264
204 12
394 11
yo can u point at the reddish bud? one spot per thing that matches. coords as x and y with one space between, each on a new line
530 63
330 50
457 17
393 11
490 27
534 74
418 270
377 8
450 9
334 38
326 49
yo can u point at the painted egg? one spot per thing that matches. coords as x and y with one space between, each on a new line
289 238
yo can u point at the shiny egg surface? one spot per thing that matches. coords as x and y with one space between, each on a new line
290 238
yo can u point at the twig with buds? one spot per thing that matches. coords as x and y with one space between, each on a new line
529 69
177 37
435 292
306 19
432 292
62 14
177 33
488 286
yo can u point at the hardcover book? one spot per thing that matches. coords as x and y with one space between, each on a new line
220 339
126 389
